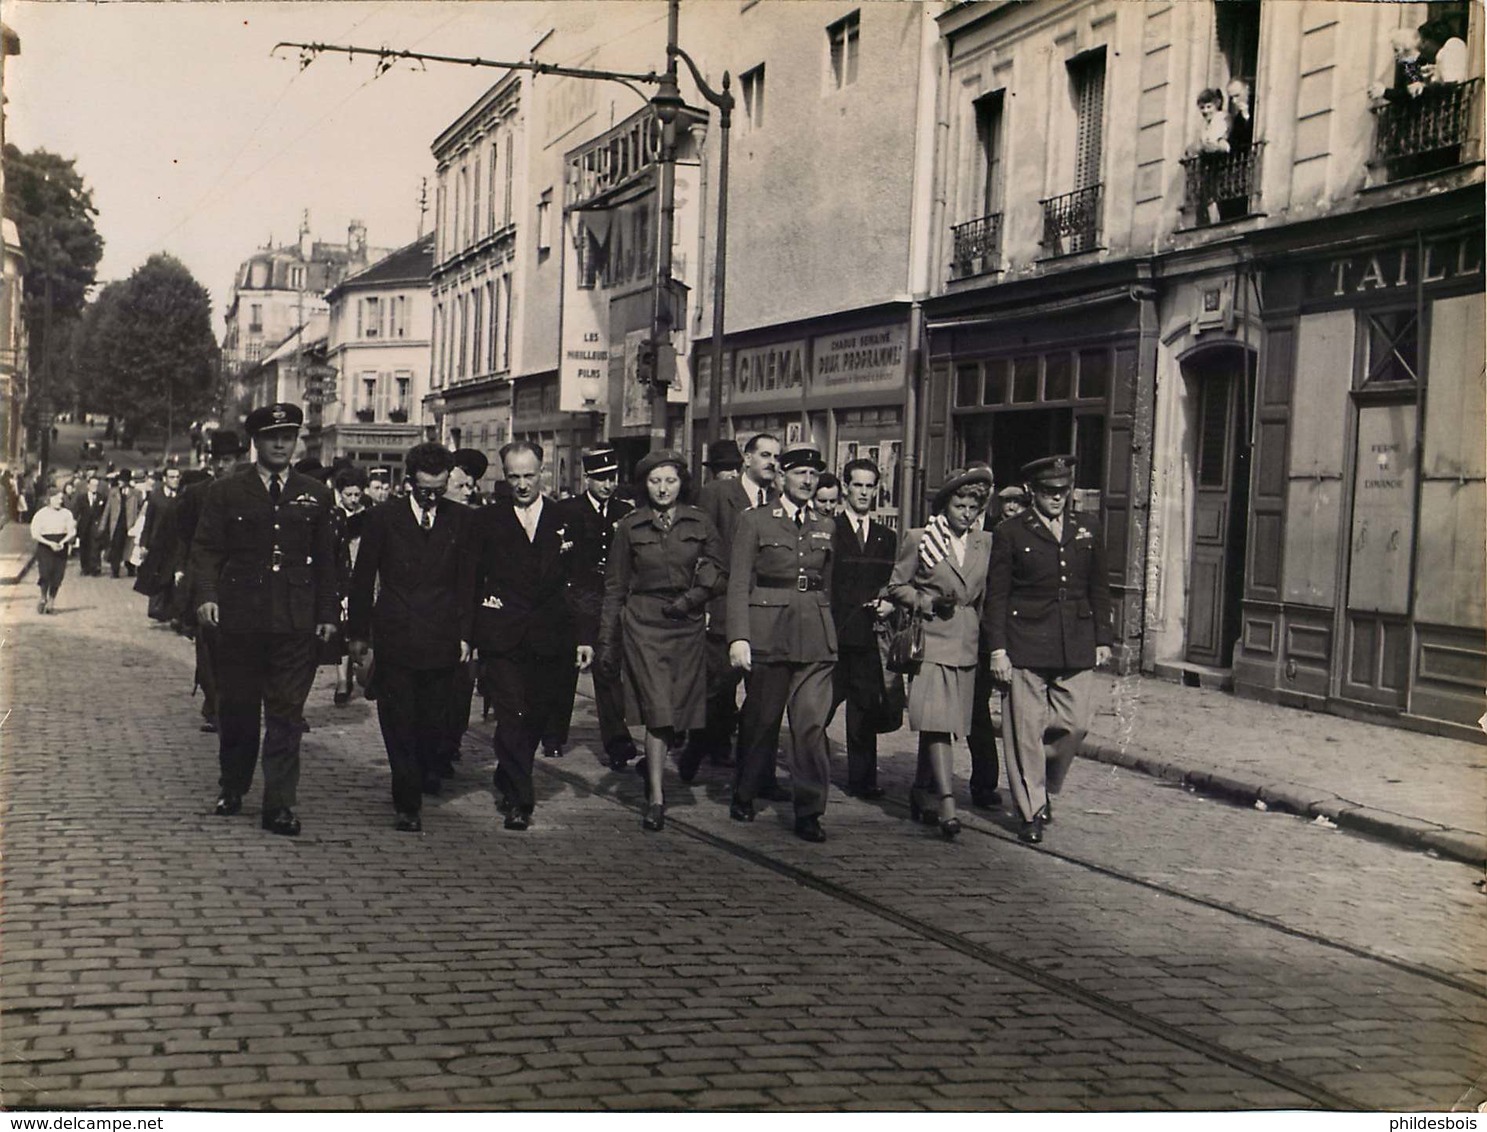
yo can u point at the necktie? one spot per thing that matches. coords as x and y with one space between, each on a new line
427 522
275 489
862 533
800 518
663 521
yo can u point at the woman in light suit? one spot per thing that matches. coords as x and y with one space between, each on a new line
941 572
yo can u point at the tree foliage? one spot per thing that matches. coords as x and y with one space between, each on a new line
53 210
147 351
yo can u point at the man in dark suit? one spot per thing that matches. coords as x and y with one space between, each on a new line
781 630
411 600
88 507
224 449
379 487
863 554
158 544
119 515
523 626
723 500
470 466
264 574
589 520
1046 623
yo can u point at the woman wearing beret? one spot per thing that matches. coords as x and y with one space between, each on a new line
941 572
664 566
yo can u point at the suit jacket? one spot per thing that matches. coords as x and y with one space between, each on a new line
781 624
521 587
121 501
89 518
159 539
723 501
269 569
592 538
412 591
859 574
1047 601
951 641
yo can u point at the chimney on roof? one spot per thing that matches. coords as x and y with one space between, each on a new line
305 246
356 243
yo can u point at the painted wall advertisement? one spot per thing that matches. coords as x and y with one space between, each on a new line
584 365
860 360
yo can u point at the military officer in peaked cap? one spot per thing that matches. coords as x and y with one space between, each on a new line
1046 623
379 486
590 518
782 633
264 575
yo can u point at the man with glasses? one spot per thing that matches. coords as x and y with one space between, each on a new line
410 601
1046 623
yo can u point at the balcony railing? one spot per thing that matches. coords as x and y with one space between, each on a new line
1071 223
1425 134
1223 186
978 246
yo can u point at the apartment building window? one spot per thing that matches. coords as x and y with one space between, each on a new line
476 219
464 337
544 220
477 301
437 377
510 168
1236 26
403 386
374 317
752 84
490 302
394 326
441 222
255 318
1071 221
366 401
978 239
842 40
506 322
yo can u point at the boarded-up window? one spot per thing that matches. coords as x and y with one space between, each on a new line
1324 373
1451 565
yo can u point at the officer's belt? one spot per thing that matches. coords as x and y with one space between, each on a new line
804 583
660 593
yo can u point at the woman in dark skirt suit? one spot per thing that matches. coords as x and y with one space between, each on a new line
941 571
664 566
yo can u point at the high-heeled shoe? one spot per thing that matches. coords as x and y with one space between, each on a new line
949 827
655 817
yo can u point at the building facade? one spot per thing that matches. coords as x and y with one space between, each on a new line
1263 356
379 347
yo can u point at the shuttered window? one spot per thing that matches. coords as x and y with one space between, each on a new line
1087 72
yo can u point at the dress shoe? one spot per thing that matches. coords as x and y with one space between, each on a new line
432 785
741 811
518 820
621 753
866 793
209 726
1045 815
281 821
408 823
809 829
986 800
655 817
687 764
553 751
341 699
1031 832
41 606
228 804
504 805
774 792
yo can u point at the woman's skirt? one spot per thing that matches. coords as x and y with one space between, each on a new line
941 697
51 565
664 666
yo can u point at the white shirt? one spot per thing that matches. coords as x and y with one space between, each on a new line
958 545
267 476
52 526
860 526
530 517
754 491
1450 62
792 508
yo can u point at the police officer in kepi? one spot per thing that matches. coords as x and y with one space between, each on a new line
264 571
782 633
1046 623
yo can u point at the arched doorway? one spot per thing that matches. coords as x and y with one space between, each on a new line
1220 382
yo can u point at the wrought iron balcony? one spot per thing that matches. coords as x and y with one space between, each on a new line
978 246
1223 186
1428 133
1071 222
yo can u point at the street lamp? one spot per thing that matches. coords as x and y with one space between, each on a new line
666 103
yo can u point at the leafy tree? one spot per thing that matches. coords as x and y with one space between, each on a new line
53 210
147 352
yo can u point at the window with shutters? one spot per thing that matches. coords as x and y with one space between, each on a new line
490 302
508 173
842 42
477 298
477 220
977 240
752 84
373 317
1071 221
490 202
506 322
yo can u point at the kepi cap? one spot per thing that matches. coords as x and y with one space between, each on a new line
1051 471
801 456
272 418
380 473
601 462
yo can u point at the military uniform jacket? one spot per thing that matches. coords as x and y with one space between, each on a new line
1047 602
592 537
411 590
791 624
269 569
663 567
723 502
521 587
859 574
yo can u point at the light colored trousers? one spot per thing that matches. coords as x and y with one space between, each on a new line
1045 714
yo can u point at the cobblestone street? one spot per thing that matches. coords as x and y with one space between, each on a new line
1159 951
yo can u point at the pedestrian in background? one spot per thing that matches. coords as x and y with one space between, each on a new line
88 508
941 575
1047 623
663 569
119 516
55 529
264 572
348 518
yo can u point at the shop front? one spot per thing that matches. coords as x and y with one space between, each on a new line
1364 588
837 384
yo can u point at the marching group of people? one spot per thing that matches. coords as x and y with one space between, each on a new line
774 574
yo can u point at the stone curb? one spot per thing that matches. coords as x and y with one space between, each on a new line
1305 801
14 579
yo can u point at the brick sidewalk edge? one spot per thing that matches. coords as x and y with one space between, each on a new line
9 579
1304 801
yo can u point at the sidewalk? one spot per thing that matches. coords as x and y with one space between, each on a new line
1417 790
16 552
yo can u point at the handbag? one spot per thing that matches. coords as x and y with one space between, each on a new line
905 642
